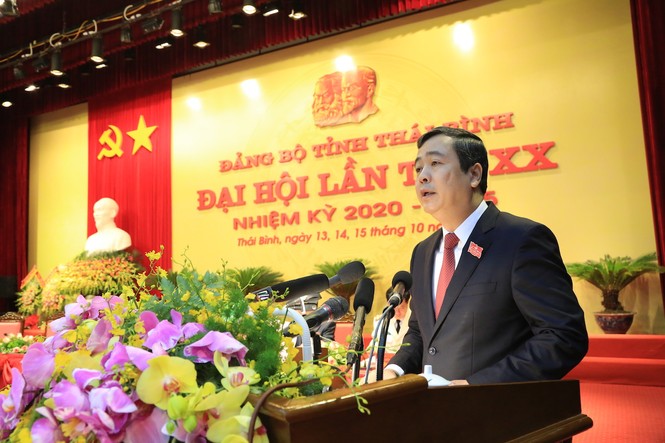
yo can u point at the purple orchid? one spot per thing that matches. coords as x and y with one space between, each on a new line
204 349
166 335
38 365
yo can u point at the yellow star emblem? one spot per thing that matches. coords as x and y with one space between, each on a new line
141 135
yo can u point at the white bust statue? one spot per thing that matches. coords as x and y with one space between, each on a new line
108 236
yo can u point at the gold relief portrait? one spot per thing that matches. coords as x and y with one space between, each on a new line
344 97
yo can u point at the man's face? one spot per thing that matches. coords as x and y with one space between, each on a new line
354 91
441 186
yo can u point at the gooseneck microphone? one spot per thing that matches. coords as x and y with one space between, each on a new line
402 282
332 309
352 271
362 303
311 284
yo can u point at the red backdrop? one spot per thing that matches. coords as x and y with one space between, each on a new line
129 160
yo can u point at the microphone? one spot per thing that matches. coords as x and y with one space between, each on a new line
296 288
362 303
331 309
312 284
352 271
402 282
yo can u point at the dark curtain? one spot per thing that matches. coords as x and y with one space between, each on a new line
649 35
13 207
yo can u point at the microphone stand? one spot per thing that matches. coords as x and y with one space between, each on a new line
389 313
356 365
316 345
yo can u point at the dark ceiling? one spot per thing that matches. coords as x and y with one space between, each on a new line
43 27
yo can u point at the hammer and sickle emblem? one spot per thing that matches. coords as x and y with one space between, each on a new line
114 145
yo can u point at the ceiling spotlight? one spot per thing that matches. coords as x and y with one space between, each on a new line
165 42
248 7
125 34
101 65
129 55
236 21
97 52
214 6
8 8
176 23
152 24
201 41
31 87
270 9
56 63
39 63
7 104
84 70
18 72
297 12
63 82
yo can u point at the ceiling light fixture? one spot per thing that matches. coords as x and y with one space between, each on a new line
97 53
214 6
8 8
164 43
31 87
248 7
126 34
7 104
152 24
201 41
176 23
297 12
63 82
269 9
236 21
39 63
56 63
129 55
18 72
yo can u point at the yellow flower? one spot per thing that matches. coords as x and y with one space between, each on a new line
153 255
66 362
164 376
235 429
234 376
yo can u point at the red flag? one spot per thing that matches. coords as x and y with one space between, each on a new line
129 160
475 250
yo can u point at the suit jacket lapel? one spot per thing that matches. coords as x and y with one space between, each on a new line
427 328
468 262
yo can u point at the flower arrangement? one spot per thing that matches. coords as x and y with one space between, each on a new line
97 274
144 367
17 343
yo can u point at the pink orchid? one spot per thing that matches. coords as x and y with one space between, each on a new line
204 349
38 365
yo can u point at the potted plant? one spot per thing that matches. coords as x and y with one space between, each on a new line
253 278
611 275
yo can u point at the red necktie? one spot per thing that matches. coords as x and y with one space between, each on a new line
447 269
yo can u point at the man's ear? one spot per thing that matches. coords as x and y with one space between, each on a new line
475 174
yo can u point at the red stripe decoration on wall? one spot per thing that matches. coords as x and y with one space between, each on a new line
129 160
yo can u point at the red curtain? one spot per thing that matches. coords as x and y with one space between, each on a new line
648 25
14 197
129 160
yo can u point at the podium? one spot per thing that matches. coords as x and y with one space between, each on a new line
405 410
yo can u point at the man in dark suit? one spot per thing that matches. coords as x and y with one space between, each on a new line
508 312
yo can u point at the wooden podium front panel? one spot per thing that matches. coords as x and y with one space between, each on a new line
404 410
